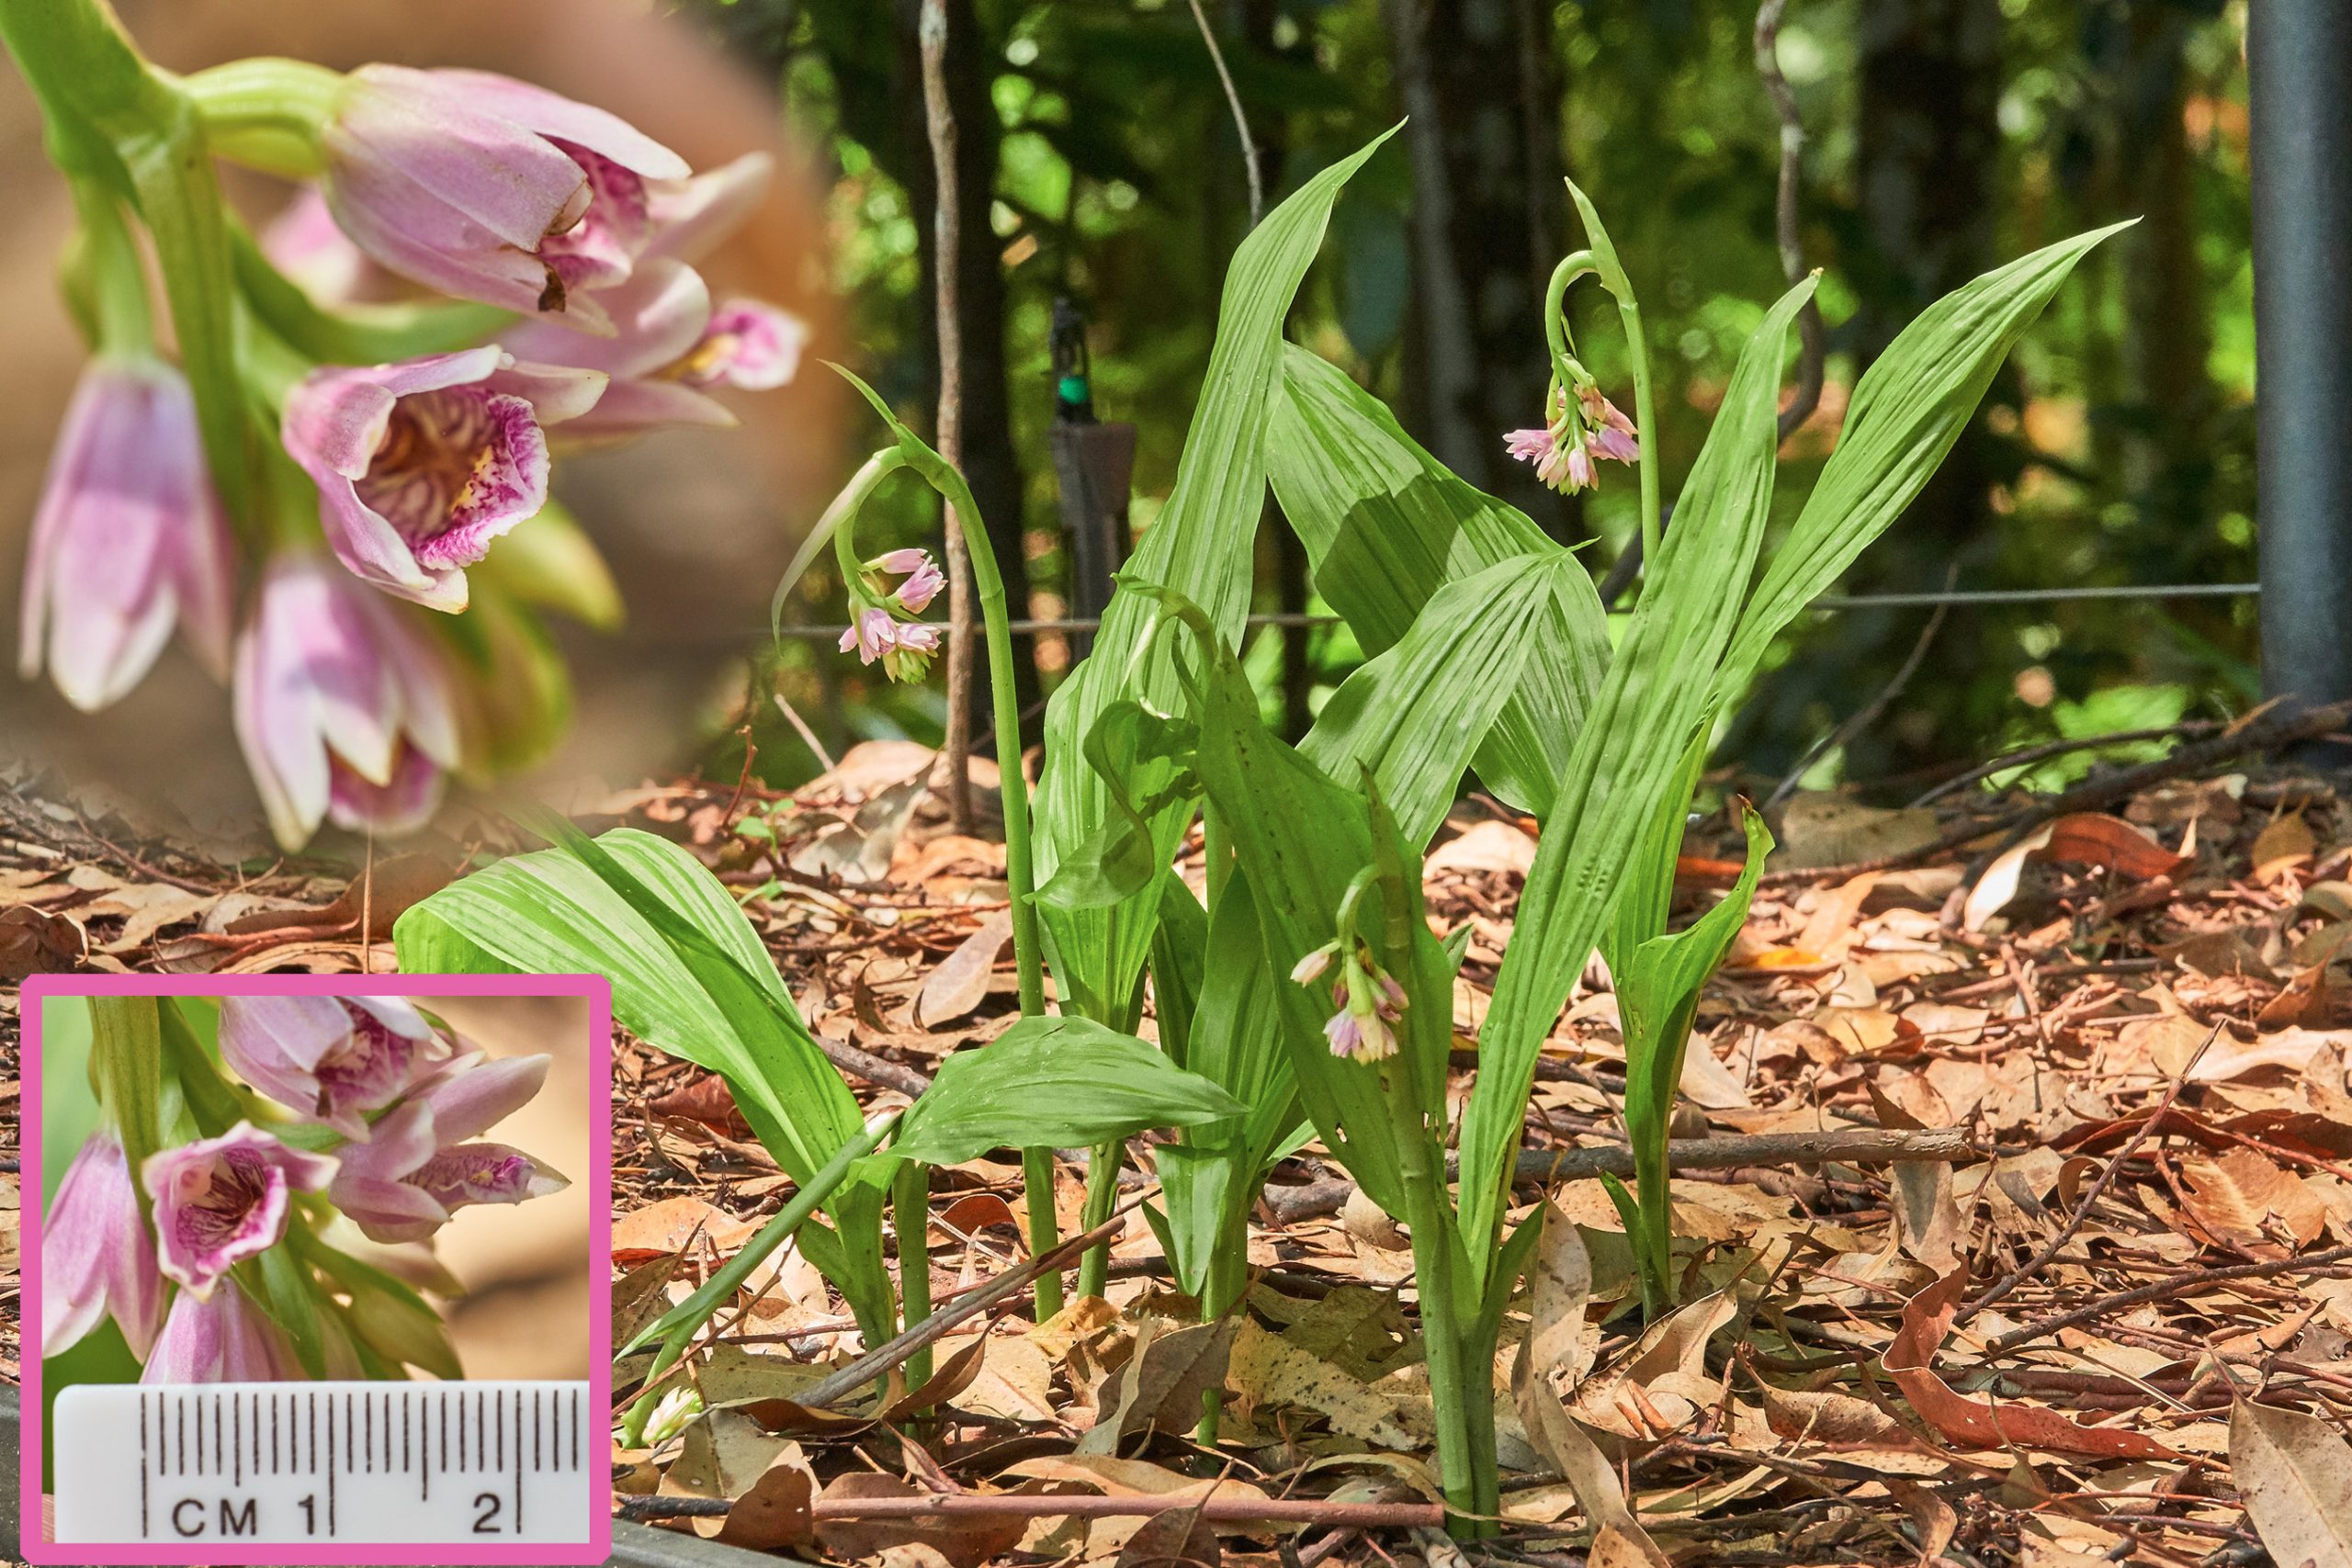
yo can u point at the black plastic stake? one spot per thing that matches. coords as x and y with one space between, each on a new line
2299 58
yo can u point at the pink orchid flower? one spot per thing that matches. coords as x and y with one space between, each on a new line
421 465
343 707
129 539
492 189
873 633
223 1337
332 1058
669 344
421 1165
96 1258
220 1200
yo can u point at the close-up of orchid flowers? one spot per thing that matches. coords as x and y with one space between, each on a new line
265 1208
356 400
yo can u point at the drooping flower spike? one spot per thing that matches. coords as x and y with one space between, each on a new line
421 1164
129 540
1582 430
421 465
1367 1001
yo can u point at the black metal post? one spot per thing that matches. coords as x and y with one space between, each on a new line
2299 59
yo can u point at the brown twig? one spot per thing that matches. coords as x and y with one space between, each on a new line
946 244
2028 755
1000 1504
2074 1221
1863 718
2268 734
1847 1145
2179 1284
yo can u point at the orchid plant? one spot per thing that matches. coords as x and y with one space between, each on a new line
265 1207
314 486
1310 996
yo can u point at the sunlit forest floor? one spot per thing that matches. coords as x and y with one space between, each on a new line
2014 1200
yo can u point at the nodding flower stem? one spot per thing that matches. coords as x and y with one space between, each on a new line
1556 330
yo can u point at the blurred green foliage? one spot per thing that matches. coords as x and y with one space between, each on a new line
2117 449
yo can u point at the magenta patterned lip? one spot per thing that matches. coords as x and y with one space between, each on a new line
240 1195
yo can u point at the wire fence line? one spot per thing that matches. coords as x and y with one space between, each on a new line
1832 601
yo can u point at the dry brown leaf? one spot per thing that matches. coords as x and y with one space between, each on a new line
2295 1473
1160 1386
663 1228
2282 846
2244 1200
1265 1368
774 1512
961 981
1927 1319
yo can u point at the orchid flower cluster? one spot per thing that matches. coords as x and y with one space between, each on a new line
1579 431
291 1240
882 623
1368 999
305 491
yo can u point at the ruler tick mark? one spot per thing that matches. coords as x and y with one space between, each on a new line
142 1469
236 1435
518 1460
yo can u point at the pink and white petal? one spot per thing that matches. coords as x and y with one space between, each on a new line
631 408
466 1174
389 1211
691 216
467 1104
509 486
556 392
658 315
460 147
403 804
552 114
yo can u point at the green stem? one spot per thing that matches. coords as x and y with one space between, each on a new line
267 112
1443 1330
119 305
1044 1226
1228 1276
90 81
127 1070
677 1327
1102 1193
1645 421
911 1209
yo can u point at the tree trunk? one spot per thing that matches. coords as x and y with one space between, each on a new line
989 464
1480 81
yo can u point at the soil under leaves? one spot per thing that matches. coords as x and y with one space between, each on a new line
2140 1022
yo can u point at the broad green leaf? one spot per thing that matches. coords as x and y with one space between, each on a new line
689 976
1144 762
1907 410
1415 714
1053 1082
1657 997
1201 546
1625 760
1386 525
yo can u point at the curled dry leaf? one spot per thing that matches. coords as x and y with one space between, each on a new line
1563 1280
1927 1319
1160 1386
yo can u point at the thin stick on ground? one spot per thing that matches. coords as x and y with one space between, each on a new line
896 1352
946 244
1003 1505
2179 1284
2074 1221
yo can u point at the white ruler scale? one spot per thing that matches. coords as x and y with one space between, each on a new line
363 1463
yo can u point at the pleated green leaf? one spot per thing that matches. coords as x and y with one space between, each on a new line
1386 525
1201 546
1626 759
1907 410
1060 1082
1417 713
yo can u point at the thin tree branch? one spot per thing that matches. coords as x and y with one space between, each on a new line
1811 337
1240 118
946 233
1862 718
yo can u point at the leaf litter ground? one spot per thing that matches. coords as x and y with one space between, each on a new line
2118 1327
